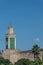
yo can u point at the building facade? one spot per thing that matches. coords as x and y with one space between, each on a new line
12 53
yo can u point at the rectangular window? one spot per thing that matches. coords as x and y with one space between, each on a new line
11 43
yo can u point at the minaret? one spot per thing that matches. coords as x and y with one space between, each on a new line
10 38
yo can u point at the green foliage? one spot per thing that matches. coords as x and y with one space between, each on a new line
22 62
4 61
36 51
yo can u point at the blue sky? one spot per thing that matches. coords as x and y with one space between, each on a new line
27 18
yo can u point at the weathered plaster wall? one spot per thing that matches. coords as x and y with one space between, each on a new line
15 55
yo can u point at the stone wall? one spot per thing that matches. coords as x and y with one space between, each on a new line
15 55
27 55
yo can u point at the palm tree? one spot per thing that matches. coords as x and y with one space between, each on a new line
36 51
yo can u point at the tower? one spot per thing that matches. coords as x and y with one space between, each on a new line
10 38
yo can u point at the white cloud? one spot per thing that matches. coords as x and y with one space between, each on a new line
37 40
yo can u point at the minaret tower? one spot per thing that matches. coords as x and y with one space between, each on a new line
10 38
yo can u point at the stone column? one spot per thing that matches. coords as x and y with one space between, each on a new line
8 42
